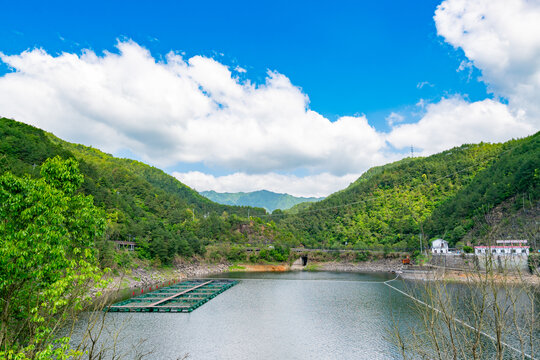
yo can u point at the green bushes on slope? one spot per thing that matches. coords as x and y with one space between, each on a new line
516 171
398 204
142 203
390 207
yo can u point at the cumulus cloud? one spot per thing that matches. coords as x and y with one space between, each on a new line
182 110
455 121
312 185
198 110
500 37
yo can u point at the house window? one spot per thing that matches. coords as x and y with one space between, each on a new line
494 251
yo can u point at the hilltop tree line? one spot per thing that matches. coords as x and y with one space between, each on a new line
398 205
391 207
141 203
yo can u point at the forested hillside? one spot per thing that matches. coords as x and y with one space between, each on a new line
143 203
396 205
495 195
262 198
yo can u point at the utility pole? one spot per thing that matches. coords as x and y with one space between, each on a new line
412 151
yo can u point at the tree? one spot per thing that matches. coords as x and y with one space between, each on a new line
47 260
493 314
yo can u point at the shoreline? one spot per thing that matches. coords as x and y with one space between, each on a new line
145 279
383 265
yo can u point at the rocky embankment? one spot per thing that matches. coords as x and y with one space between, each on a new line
148 277
200 270
470 276
382 265
145 278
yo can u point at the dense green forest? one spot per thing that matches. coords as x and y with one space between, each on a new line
262 198
390 207
142 203
515 176
395 205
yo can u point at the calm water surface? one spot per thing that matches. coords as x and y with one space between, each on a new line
296 315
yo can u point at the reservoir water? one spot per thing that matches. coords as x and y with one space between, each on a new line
296 315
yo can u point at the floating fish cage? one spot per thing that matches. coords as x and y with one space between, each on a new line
182 297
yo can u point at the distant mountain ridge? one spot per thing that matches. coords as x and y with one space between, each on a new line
262 198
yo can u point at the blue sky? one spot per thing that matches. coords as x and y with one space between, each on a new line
349 57
363 60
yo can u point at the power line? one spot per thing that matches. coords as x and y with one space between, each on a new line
456 319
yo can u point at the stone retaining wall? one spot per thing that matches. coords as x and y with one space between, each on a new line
472 261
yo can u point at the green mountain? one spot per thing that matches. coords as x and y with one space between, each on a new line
262 198
507 190
443 195
143 204
465 194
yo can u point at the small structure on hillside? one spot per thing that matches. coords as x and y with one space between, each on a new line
439 246
504 247
123 245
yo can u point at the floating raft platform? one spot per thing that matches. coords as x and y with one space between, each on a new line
182 297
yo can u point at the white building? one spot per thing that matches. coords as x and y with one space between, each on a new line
504 247
439 246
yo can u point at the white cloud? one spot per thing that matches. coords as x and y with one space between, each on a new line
197 110
394 118
182 110
501 38
455 121
421 84
240 69
467 66
312 185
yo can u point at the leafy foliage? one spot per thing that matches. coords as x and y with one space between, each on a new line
398 204
391 207
47 255
142 203
516 171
